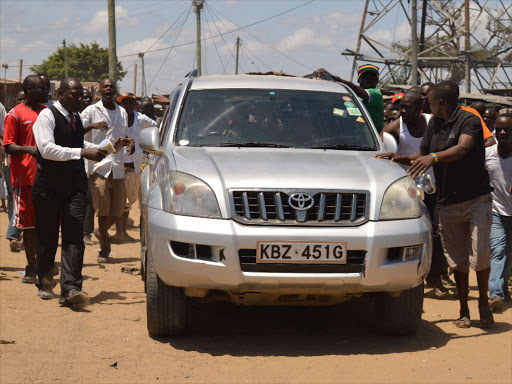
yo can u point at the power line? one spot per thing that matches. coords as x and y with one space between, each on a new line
214 44
257 58
244 51
220 34
261 41
238 29
177 37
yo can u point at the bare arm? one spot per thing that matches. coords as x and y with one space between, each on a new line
393 128
14 149
361 92
421 164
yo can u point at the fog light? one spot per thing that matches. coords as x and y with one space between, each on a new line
412 253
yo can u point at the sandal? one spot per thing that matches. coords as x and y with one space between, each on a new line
463 322
486 317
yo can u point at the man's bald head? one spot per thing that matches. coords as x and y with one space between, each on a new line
479 106
71 93
34 89
415 97
68 83
410 107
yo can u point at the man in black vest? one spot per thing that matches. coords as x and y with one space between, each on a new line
60 189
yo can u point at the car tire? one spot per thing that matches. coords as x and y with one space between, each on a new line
143 246
166 305
400 315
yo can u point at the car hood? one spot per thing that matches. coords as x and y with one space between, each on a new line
287 168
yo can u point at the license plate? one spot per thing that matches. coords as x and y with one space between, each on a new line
301 253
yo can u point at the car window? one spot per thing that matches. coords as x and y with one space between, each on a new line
302 119
164 131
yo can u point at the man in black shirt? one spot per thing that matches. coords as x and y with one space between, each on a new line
453 144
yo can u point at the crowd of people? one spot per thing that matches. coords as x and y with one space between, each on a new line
70 159
63 161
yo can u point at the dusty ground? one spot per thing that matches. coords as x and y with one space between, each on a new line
228 344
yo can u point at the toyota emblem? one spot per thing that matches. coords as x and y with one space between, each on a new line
301 201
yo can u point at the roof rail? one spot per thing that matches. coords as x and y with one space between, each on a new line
192 73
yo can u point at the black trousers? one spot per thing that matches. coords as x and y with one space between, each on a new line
89 212
439 264
56 210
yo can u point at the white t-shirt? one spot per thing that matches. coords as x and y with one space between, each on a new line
117 121
140 122
500 173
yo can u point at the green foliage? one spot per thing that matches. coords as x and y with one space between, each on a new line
86 63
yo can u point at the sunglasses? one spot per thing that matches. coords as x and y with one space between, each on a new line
506 129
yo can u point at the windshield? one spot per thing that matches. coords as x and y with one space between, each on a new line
273 118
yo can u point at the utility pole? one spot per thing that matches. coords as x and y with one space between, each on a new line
66 74
135 79
414 42
198 5
358 47
20 72
112 55
143 90
237 54
467 48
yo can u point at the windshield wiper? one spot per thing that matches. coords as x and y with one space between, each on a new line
252 144
346 147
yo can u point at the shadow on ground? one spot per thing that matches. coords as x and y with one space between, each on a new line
226 329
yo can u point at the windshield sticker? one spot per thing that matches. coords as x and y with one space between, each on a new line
346 98
183 142
338 112
272 93
360 119
354 112
349 104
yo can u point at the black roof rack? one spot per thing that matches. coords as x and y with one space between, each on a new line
192 73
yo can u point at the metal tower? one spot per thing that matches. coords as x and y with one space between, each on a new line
468 42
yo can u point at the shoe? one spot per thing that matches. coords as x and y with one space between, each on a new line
55 270
102 259
88 240
496 304
96 232
45 293
74 296
30 275
116 240
445 279
129 239
130 223
14 245
440 292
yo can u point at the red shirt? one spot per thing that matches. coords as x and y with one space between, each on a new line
18 130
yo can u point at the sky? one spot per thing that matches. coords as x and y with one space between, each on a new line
297 42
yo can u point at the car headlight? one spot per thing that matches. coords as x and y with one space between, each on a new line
191 196
400 201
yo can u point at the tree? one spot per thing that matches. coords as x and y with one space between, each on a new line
86 63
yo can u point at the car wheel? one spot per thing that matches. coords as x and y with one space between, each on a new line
166 305
400 315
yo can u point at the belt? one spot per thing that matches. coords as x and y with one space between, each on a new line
129 165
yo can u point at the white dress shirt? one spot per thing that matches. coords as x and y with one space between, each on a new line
43 130
140 121
117 121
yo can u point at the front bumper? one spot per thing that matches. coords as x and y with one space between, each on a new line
227 237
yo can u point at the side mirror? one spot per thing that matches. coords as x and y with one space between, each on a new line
149 140
430 185
389 142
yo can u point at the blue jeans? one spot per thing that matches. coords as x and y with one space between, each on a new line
13 233
501 255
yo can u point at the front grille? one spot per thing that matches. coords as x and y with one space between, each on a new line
355 264
345 208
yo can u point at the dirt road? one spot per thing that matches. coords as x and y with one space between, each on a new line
107 341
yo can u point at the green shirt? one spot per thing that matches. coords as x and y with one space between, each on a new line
375 107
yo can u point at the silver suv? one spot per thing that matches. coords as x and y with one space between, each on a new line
263 190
